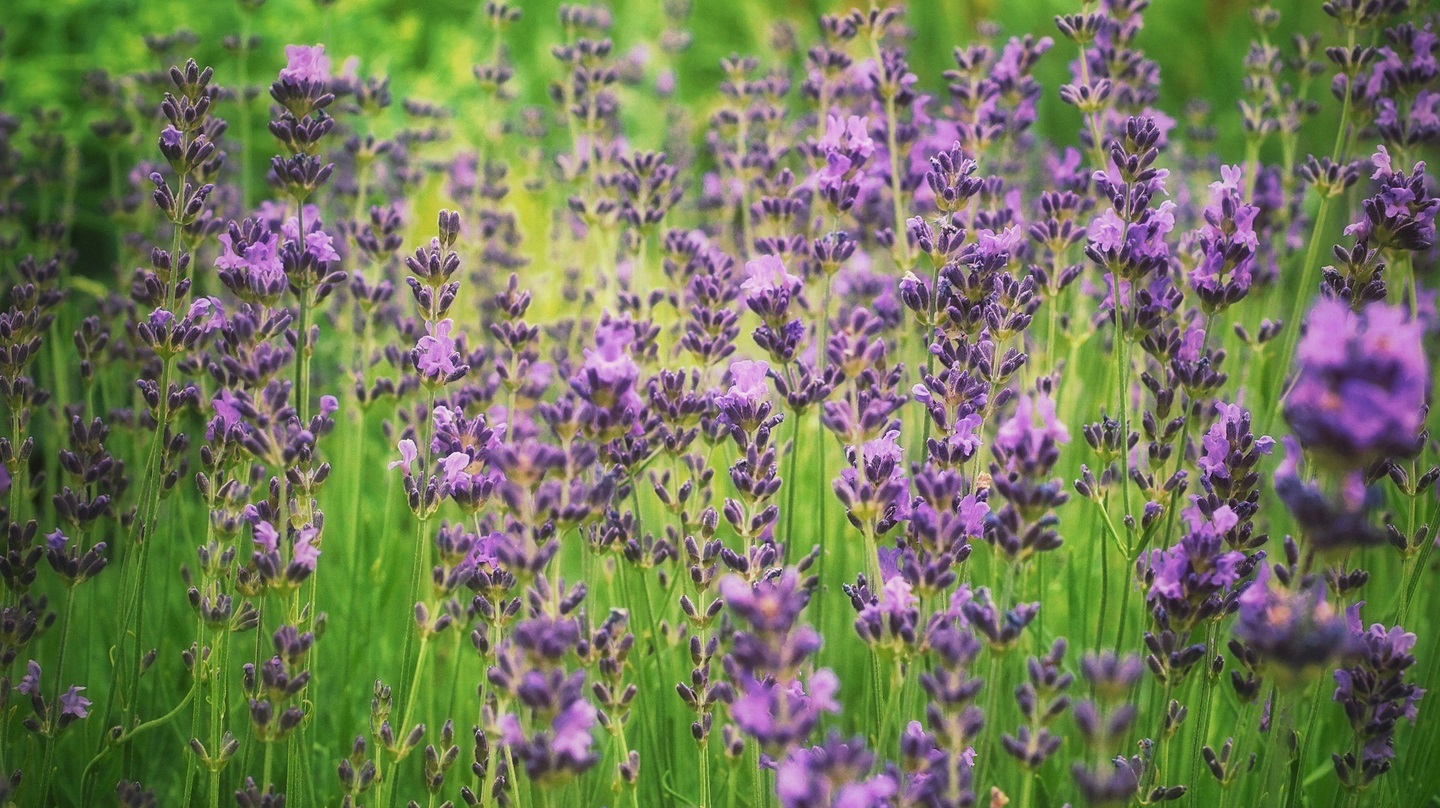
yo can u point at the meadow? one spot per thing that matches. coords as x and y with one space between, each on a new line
695 404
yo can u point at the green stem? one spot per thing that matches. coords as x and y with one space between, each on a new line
1104 584
46 771
243 56
704 763
125 737
791 484
757 784
1412 579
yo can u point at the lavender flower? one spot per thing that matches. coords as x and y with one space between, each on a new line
1401 215
435 356
1361 386
777 715
835 774
1226 245
1295 632
1376 698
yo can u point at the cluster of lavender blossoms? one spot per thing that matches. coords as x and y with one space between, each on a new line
738 471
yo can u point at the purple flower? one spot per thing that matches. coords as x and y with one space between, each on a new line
572 730
1216 444
74 706
609 364
779 715
833 775
1361 383
1190 581
435 356
771 606
748 379
30 682
844 151
250 264
563 747
1021 440
305 63
1327 522
1375 697
267 539
1294 629
769 289
1402 214
744 405
874 490
890 622
306 553
1226 245
319 244
408 455
608 381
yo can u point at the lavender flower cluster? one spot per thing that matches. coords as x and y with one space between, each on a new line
862 449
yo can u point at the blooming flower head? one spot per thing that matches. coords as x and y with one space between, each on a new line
1225 245
74 706
1361 383
777 715
874 489
305 63
1189 580
30 682
833 775
435 355
608 380
558 750
744 404
1296 631
609 363
321 245
1375 696
1216 446
1402 214
890 622
769 287
252 268
267 539
1031 438
306 552
748 379
1337 520
408 456
770 606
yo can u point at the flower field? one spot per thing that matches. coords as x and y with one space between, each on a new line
775 405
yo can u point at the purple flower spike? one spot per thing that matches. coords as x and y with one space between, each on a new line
832 775
1375 697
1361 383
769 288
1298 631
1402 215
744 405
1226 244
778 715
435 356
1326 522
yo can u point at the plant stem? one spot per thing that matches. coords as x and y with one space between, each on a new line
47 779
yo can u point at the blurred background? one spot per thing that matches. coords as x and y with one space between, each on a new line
52 49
